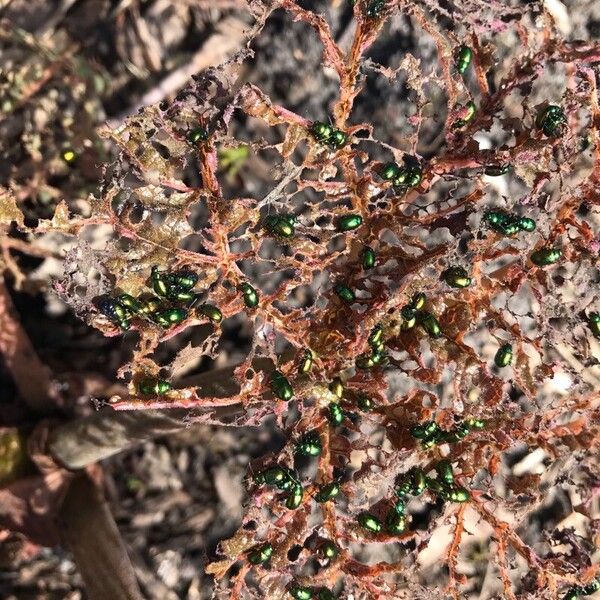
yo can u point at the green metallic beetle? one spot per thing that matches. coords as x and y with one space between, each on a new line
413 175
404 487
593 321
545 256
400 506
425 430
306 362
322 132
591 587
171 316
281 226
345 293
455 435
431 325
473 423
336 386
349 222
418 300
294 500
325 594
456 494
374 8
291 479
444 470
469 111
151 386
115 312
211 312
418 481
365 361
281 387
178 295
504 356
435 486
310 444
184 279
260 555
159 283
328 491
526 224
131 303
369 522
336 414
552 121
496 170
379 358
272 476
389 171
338 139
464 56
365 403
409 317
502 222
511 227
375 339
395 523
410 175
497 219
456 277
249 294
400 180
196 135
174 286
150 306
433 441
368 258
586 141
327 549
301 592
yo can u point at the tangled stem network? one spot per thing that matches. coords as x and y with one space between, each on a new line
409 319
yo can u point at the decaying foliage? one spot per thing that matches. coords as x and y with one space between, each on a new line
166 200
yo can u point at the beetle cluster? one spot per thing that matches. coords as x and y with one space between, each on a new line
165 308
508 224
586 590
413 313
414 483
430 433
326 134
377 356
284 479
405 177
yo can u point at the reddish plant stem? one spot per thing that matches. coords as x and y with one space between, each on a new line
89 531
32 377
